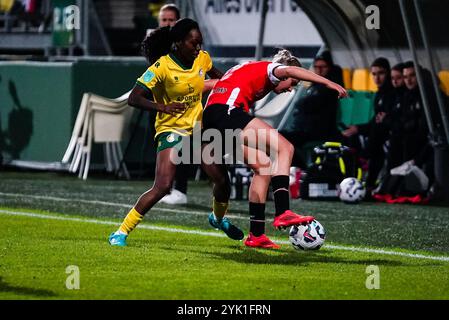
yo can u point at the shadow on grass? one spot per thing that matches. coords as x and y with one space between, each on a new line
5 287
285 257
256 256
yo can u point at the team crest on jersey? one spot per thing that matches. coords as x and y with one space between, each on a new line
148 76
171 138
176 79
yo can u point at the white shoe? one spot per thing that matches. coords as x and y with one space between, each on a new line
402 170
175 197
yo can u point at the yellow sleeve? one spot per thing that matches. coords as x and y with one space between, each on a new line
207 61
153 76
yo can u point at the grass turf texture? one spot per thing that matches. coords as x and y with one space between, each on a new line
165 265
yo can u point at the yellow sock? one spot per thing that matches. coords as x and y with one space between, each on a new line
131 221
220 208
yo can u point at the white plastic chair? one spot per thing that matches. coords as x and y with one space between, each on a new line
76 129
272 110
100 120
108 126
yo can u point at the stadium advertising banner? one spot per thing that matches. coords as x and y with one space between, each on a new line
237 22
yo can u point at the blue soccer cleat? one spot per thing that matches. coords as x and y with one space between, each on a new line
227 227
118 239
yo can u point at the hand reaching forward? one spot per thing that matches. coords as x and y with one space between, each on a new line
342 93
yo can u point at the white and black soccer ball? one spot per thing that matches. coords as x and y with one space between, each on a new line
307 237
351 190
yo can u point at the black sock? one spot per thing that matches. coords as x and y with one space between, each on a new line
257 218
280 185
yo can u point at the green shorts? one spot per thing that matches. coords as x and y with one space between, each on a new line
168 140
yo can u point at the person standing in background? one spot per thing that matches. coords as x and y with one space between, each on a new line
168 15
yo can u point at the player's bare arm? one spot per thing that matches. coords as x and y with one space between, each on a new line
143 99
306 75
209 84
214 75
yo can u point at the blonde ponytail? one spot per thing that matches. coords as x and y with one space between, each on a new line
285 57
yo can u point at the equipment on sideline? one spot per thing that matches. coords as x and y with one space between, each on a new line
333 162
351 190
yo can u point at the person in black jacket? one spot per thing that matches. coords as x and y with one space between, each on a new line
377 130
335 73
397 80
315 114
409 141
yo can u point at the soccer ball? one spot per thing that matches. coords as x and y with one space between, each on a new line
308 237
351 190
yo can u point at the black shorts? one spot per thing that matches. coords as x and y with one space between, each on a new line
223 116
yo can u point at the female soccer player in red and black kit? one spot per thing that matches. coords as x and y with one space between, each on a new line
227 108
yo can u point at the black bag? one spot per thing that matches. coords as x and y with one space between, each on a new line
332 163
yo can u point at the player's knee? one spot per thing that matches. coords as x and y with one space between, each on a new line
288 149
262 168
163 187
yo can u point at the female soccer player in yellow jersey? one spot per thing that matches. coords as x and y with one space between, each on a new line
173 86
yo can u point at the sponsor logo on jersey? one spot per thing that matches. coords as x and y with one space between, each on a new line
220 90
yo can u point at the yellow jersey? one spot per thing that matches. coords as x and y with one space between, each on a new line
169 81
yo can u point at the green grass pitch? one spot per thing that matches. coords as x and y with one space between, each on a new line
52 221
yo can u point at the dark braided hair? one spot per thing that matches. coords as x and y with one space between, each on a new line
160 41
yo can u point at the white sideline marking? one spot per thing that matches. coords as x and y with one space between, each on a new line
111 223
220 235
120 205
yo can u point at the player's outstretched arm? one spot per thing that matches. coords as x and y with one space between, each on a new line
306 75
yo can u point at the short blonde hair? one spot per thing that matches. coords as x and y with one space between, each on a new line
171 7
286 58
